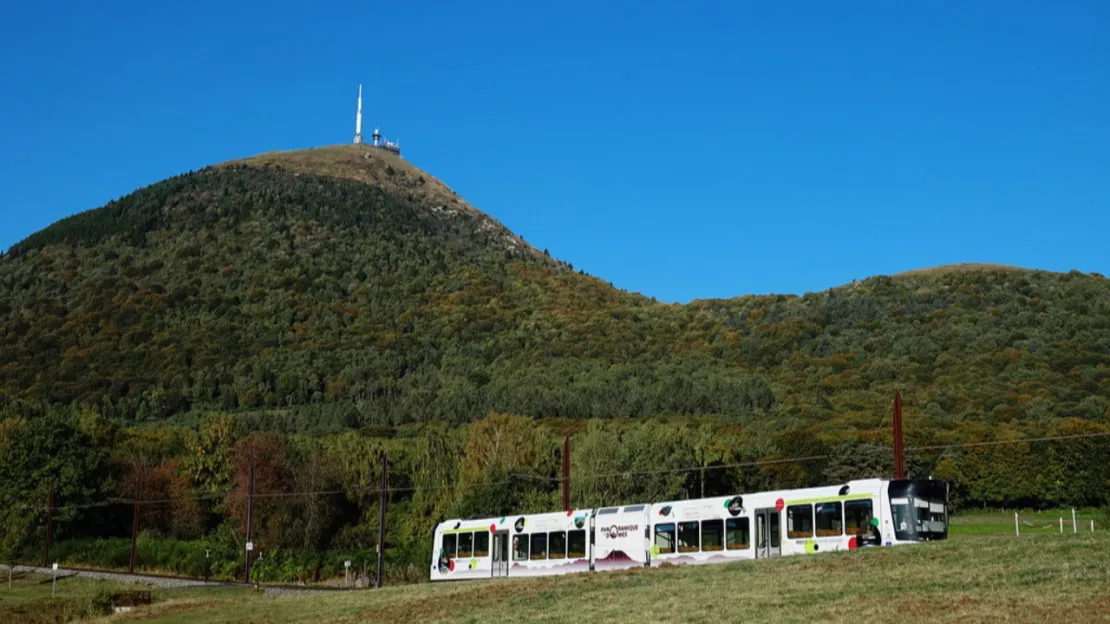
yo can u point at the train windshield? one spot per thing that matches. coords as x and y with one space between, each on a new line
920 510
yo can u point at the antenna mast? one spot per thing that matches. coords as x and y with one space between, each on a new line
358 117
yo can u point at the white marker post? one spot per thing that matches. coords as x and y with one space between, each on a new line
346 571
1061 525
1074 527
1017 529
54 586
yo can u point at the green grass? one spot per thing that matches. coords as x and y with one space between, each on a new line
974 579
29 599
1001 522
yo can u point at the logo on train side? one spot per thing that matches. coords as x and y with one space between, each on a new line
580 521
519 525
619 530
734 505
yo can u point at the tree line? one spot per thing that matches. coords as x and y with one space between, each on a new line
316 497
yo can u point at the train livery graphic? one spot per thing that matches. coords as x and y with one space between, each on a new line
864 513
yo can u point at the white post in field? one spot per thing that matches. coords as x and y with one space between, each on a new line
1092 526
1074 527
1017 530
1061 525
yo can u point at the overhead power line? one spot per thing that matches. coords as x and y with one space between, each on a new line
612 475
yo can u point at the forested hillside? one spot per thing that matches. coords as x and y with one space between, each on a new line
307 311
255 286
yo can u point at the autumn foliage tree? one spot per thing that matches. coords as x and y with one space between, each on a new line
264 453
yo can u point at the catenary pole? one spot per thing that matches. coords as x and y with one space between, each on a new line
899 460
381 519
250 528
134 535
49 526
566 473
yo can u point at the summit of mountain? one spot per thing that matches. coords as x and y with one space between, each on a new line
385 170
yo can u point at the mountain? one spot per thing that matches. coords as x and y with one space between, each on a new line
343 287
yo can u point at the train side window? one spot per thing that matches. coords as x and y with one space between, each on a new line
557 543
449 545
576 544
828 519
688 537
539 546
466 541
799 521
713 535
664 538
737 533
481 544
857 517
520 548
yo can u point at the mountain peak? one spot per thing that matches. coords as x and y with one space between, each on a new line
377 167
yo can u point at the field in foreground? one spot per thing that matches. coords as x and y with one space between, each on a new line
995 578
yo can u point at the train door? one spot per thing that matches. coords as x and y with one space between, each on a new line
500 554
768 533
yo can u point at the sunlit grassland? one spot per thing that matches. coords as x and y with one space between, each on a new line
1037 578
1001 522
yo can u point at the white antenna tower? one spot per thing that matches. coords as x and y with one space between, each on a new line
358 117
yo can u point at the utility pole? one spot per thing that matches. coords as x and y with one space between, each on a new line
250 527
566 473
381 519
49 526
899 460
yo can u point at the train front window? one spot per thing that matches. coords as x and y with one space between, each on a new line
919 509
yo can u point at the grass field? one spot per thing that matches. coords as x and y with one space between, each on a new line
29 599
973 577
981 579
1031 522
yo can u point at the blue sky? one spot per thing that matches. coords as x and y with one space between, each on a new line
683 150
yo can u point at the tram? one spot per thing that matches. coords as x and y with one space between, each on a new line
858 514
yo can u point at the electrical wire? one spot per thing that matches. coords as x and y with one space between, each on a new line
233 494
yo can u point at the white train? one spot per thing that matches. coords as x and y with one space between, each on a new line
861 513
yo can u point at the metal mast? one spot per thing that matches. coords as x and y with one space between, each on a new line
358 117
899 459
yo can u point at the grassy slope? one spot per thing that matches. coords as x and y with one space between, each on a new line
995 578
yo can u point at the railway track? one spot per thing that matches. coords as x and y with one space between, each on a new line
167 581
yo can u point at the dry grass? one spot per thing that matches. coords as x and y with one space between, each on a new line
963 267
982 579
377 167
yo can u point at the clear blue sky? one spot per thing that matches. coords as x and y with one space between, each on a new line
683 150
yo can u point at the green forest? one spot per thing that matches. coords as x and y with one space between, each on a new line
307 319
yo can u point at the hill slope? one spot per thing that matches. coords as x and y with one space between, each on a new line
344 287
